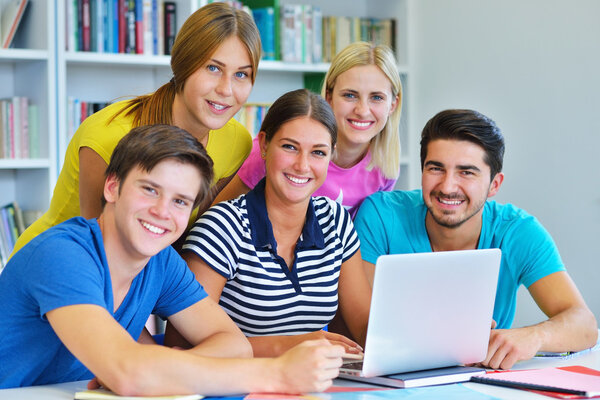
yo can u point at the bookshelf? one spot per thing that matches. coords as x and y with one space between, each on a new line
27 69
40 67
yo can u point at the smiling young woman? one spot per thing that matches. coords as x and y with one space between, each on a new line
214 62
279 261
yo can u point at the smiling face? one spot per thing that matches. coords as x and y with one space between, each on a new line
362 101
151 209
296 160
216 91
456 182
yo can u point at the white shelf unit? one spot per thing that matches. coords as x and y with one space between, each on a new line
28 69
101 77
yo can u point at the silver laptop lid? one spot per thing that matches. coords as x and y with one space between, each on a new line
430 310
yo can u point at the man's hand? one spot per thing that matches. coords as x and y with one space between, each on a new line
507 346
310 367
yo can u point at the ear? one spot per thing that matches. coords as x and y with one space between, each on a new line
395 102
328 97
495 184
111 189
262 143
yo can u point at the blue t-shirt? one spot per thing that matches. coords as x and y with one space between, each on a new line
262 294
66 265
394 223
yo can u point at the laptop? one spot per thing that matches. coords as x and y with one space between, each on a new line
428 311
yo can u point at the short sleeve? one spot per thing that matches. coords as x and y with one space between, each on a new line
346 231
369 223
180 288
69 277
215 238
253 169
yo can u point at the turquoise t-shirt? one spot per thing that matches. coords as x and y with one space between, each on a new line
394 223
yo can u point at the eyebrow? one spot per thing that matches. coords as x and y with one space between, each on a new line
222 64
157 186
318 145
466 167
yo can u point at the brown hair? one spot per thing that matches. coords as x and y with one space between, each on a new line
148 145
199 37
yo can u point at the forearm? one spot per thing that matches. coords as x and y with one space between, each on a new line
574 329
155 371
271 346
224 344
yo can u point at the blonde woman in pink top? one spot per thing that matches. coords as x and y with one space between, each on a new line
364 90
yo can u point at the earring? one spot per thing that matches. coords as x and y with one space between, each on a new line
263 154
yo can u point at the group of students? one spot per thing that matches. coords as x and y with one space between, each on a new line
271 230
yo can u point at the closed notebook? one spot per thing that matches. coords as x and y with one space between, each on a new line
102 394
575 380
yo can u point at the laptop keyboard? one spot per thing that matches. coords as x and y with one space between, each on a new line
355 365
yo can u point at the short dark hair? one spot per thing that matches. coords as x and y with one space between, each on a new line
466 125
148 145
296 104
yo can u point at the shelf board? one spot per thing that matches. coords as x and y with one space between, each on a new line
38 163
23 55
82 57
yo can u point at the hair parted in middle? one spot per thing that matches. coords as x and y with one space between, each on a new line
296 104
385 146
199 37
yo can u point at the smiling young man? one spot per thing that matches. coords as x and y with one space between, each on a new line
461 159
75 299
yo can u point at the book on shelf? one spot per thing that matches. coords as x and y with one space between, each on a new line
251 116
77 111
12 13
264 18
19 128
169 25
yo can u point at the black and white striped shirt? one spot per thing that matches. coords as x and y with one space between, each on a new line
262 295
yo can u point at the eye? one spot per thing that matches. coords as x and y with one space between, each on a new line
349 95
149 190
241 75
212 68
467 173
288 146
181 203
378 97
320 153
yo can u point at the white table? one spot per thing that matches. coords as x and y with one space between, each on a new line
65 391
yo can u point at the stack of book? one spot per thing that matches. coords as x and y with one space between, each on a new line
19 128
12 225
121 26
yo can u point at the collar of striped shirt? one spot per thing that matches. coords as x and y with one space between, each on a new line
262 230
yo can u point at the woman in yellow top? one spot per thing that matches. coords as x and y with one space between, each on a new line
214 62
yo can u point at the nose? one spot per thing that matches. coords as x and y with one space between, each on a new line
160 209
362 107
301 163
448 184
224 86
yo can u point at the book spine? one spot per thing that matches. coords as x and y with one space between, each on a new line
122 25
34 130
85 25
24 112
148 44
106 26
115 25
317 40
170 26
139 27
130 21
265 21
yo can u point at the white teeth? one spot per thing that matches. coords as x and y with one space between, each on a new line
152 228
451 202
360 124
297 180
218 106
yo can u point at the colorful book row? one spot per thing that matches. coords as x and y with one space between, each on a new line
77 111
121 26
19 128
300 33
251 116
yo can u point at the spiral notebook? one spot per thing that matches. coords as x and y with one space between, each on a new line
574 380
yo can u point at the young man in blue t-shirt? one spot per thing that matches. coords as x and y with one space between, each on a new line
76 298
461 159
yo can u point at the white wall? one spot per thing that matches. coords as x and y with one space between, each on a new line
534 67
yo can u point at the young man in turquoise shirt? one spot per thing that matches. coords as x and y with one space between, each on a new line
76 298
461 160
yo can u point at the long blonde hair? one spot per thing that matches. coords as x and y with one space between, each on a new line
385 146
199 37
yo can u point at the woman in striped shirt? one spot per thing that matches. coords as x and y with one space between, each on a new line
279 261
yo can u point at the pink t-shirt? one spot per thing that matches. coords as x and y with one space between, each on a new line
347 186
